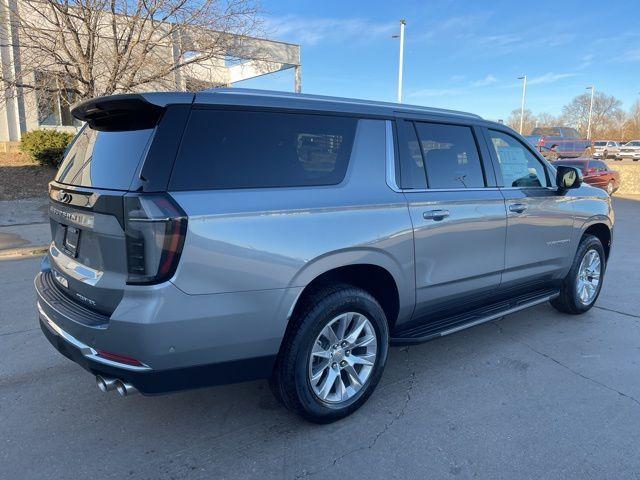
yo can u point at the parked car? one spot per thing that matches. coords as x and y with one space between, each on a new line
215 237
630 150
605 149
595 172
568 141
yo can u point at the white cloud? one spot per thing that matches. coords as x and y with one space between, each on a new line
435 92
549 78
450 92
631 55
315 30
488 80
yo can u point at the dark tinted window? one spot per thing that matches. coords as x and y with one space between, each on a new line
597 164
548 131
104 159
519 167
412 172
451 156
233 149
571 133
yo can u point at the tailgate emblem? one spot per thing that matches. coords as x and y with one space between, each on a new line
63 196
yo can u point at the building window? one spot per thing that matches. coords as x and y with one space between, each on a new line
54 100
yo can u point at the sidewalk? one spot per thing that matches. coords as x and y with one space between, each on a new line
24 227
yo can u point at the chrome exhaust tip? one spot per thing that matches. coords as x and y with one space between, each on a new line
125 389
106 384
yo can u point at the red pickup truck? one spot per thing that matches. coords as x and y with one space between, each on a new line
568 141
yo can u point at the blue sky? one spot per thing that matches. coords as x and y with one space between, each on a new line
460 54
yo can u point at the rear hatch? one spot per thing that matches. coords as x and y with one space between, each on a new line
112 223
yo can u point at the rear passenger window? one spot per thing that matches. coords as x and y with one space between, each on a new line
451 156
240 149
519 167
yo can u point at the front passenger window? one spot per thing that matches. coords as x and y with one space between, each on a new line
519 167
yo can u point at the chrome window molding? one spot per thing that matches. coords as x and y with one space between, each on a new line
391 174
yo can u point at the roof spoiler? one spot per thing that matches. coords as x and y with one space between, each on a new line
118 113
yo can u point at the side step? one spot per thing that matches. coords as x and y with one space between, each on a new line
445 326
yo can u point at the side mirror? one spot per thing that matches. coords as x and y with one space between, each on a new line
568 177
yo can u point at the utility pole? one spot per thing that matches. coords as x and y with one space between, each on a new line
403 22
593 89
524 92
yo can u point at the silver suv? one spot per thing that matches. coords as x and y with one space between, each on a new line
209 238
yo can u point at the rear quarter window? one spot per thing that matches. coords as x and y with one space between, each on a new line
223 149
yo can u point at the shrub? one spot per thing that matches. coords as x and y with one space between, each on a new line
45 146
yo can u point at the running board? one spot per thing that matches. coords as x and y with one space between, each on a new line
440 328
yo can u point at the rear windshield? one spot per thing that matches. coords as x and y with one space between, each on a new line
224 149
600 144
103 159
549 131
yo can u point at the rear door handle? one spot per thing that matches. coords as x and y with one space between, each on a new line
517 207
436 215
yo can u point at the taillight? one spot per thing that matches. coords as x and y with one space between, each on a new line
541 142
155 228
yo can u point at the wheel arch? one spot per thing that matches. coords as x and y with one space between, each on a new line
601 228
375 271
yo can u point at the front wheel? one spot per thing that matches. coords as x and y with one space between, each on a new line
334 356
581 287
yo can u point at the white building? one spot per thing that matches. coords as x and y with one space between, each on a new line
23 111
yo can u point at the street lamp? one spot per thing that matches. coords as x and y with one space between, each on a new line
524 92
593 89
403 22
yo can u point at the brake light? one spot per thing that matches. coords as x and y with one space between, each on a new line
155 228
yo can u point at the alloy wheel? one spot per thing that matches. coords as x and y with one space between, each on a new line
342 358
588 278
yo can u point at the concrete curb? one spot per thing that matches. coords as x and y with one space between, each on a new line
18 253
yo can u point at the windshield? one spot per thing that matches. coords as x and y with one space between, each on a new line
600 144
103 159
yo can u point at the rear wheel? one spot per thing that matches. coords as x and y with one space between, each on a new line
581 287
334 356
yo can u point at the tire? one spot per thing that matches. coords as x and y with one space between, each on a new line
610 188
292 382
569 300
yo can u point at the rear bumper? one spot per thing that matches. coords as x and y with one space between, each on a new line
153 382
183 341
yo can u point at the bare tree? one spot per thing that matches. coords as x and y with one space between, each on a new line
528 123
545 119
631 129
605 109
76 49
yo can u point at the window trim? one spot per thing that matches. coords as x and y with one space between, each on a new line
496 164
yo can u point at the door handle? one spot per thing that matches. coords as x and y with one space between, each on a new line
517 207
436 215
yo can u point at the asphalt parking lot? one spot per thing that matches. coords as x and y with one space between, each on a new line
534 395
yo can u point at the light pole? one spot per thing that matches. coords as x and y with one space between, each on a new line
403 22
593 89
524 92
